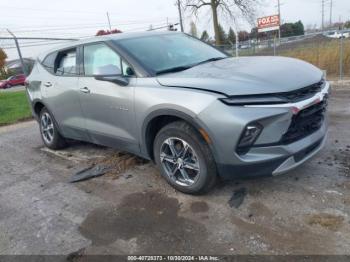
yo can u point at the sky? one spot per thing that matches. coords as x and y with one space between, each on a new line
83 18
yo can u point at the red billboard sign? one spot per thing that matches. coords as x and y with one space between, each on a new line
268 23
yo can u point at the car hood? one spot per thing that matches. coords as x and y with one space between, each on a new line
246 75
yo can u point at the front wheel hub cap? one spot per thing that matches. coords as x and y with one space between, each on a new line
179 161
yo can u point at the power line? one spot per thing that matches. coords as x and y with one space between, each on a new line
38 38
161 27
95 25
33 45
43 40
52 10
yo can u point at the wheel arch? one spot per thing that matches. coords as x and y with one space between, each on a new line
158 119
37 106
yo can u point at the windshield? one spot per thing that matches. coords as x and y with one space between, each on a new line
161 53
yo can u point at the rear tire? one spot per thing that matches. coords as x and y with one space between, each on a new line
184 158
49 131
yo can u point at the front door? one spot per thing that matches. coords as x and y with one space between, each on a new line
107 107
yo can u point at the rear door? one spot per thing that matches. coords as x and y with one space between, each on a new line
60 90
107 107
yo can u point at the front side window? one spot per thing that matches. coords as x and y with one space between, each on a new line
99 59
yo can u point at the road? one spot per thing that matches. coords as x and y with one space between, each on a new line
13 89
135 211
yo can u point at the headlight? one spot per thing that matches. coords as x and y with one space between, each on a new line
248 137
254 100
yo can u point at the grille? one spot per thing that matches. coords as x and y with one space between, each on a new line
306 122
303 93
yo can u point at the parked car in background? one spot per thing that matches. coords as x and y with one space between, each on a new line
338 35
13 81
191 108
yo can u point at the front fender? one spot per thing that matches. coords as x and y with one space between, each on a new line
189 117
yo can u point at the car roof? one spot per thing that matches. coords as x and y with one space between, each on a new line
110 37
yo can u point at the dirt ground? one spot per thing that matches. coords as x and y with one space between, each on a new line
131 210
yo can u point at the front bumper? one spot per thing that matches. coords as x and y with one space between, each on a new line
277 166
267 156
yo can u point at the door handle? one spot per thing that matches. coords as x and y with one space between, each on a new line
48 84
85 90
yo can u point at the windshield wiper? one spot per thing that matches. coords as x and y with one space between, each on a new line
210 60
183 68
173 69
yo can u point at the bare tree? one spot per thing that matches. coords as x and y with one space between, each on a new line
231 8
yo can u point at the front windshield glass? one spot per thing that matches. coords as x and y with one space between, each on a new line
163 52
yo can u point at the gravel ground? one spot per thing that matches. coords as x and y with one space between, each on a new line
132 210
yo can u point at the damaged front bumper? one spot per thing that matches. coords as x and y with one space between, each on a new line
274 152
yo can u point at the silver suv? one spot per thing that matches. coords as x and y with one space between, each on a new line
194 110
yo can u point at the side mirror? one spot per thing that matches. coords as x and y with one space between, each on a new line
130 71
117 79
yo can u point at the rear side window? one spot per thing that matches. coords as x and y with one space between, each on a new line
49 62
66 63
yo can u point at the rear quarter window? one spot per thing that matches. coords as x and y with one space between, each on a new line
49 62
66 63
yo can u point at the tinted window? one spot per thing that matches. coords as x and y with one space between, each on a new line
161 52
99 59
49 62
66 63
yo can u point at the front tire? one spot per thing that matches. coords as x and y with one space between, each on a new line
184 158
49 131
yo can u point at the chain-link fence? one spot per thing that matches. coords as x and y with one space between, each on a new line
331 52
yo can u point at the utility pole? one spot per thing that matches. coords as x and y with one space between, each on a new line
331 13
109 22
180 14
322 15
279 14
19 52
341 51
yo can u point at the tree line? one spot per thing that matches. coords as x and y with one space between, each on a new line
227 38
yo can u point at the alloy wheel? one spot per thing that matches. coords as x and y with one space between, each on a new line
47 128
180 161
